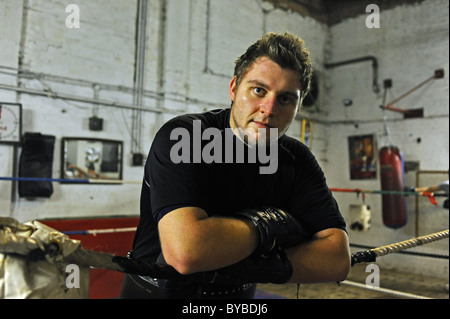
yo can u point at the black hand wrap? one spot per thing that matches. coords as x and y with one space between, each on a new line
276 228
138 267
172 284
177 286
273 267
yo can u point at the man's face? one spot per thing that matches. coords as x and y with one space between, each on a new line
267 97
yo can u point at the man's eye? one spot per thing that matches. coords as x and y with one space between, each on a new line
285 99
258 91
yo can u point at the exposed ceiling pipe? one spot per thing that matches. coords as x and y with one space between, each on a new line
375 87
136 128
76 98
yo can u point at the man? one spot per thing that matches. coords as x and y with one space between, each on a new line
205 212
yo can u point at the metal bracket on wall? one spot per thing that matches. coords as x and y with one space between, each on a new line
411 113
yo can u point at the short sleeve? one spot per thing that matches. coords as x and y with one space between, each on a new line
311 200
174 183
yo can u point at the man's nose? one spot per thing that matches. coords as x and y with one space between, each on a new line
268 105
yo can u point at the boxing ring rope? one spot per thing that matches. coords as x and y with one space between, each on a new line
382 192
431 195
358 257
421 254
99 231
384 290
380 251
372 254
363 256
121 181
70 180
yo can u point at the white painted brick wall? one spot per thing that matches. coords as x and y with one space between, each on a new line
101 50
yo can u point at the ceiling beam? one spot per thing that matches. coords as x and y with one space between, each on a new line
332 12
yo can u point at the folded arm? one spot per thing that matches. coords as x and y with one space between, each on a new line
192 241
325 258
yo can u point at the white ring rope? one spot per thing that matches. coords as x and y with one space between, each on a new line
372 254
410 243
384 290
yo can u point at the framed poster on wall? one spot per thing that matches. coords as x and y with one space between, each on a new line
362 157
10 123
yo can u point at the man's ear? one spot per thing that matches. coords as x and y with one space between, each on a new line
232 91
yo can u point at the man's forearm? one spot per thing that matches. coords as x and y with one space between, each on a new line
325 258
193 242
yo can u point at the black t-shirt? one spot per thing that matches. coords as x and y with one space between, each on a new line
177 175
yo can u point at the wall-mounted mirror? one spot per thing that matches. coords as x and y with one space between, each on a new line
93 159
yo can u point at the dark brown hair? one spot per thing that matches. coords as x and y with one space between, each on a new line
287 50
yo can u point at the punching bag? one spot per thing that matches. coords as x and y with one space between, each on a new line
392 179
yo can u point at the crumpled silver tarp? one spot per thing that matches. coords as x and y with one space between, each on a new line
34 260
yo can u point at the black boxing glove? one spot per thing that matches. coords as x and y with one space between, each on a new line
276 228
272 267
143 268
172 284
177 286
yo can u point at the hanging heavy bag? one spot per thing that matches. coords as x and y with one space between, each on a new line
36 161
394 208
